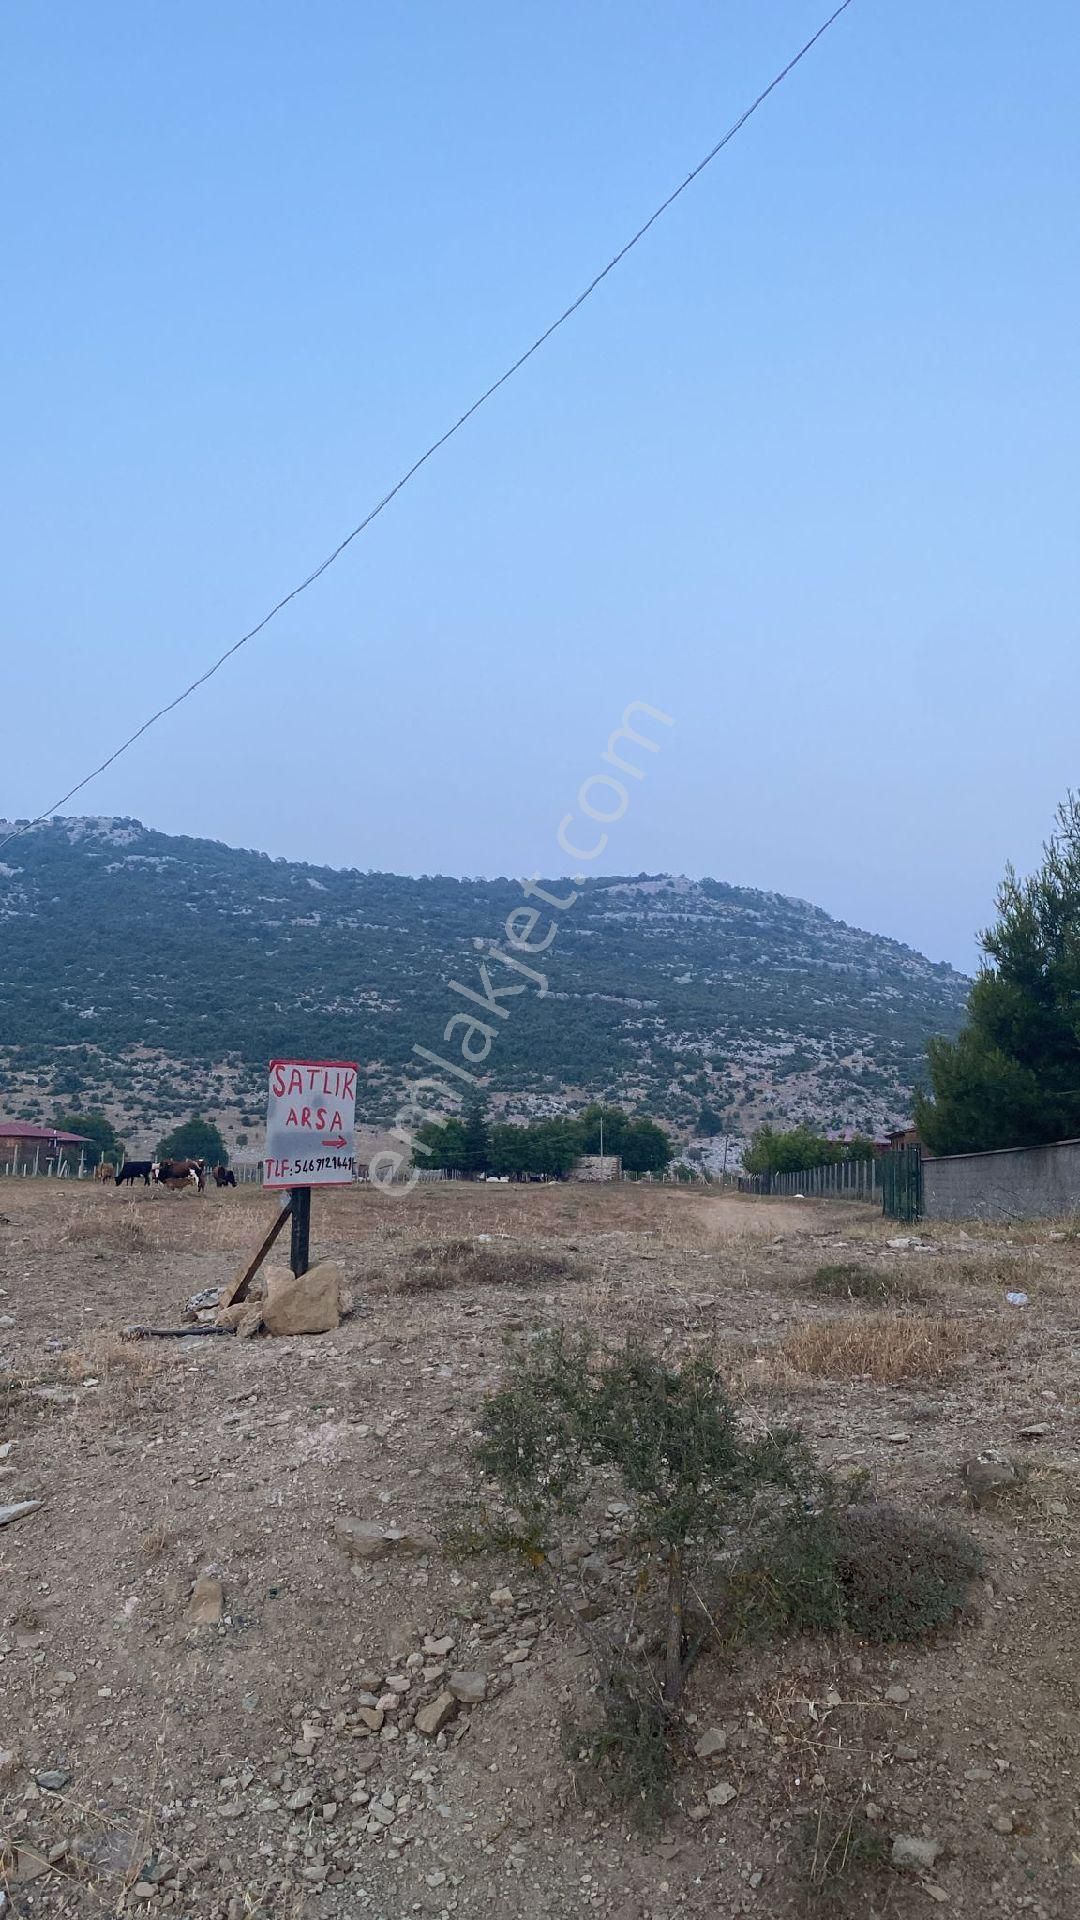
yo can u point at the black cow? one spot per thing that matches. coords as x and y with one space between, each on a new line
134 1170
224 1177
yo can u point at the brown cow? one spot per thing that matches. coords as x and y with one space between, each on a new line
105 1170
177 1174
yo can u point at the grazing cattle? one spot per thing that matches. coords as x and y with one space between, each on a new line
135 1170
105 1170
176 1174
224 1177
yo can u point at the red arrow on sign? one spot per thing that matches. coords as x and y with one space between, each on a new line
335 1143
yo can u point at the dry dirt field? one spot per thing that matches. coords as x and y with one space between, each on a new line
240 1768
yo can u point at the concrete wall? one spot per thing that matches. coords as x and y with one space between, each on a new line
1023 1183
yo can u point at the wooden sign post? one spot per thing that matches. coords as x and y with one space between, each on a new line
310 1131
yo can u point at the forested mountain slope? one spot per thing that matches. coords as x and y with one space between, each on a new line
163 972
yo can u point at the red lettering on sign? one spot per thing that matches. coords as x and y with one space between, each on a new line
305 1118
348 1091
296 1081
277 1083
292 1118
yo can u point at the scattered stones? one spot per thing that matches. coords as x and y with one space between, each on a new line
469 1688
721 1795
438 1648
1036 1431
712 1744
302 1798
432 1718
309 1303
910 1850
207 1602
501 1597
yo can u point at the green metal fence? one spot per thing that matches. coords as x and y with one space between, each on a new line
901 1184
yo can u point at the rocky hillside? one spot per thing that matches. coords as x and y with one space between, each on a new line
154 974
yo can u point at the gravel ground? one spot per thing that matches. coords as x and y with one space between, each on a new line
292 1757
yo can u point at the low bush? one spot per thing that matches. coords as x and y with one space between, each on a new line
872 1568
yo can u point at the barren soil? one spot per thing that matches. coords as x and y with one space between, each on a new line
227 1770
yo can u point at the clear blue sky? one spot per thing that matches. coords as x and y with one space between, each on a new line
803 473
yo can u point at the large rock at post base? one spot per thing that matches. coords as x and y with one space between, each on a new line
310 1304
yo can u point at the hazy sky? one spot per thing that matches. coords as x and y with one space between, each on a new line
803 474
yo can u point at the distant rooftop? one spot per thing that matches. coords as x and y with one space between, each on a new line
22 1130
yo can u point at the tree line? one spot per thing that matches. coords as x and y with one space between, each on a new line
475 1145
800 1149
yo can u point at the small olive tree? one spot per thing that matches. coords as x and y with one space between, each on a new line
692 1479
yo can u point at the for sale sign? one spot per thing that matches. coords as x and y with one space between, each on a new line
310 1124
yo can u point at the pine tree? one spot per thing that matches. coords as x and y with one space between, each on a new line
1012 1077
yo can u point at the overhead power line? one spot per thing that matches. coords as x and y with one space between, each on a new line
412 471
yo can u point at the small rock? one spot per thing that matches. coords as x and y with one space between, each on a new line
142 1890
18 1511
985 1479
898 1695
712 1744
1002 1822
302 1798
55 1780
438 1648
721 1795
469 1688
501 1597
432 1718
907 1753
368 1540
910 1850
207 1602
1036 1430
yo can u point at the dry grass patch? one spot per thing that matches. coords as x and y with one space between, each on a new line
116 1231
443 1264
881 1347
868 1286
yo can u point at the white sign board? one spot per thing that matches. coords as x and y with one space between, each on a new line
310 1124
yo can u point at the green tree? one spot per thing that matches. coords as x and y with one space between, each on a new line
101 1134
685 1467
441 1144
709 1122
476 1136
1012 1077
645 1147
194 1139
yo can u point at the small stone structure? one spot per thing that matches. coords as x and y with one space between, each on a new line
595 1166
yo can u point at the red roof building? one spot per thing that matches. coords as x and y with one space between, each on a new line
20 1141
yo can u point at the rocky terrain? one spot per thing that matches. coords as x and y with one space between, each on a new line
249 1669
147 974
